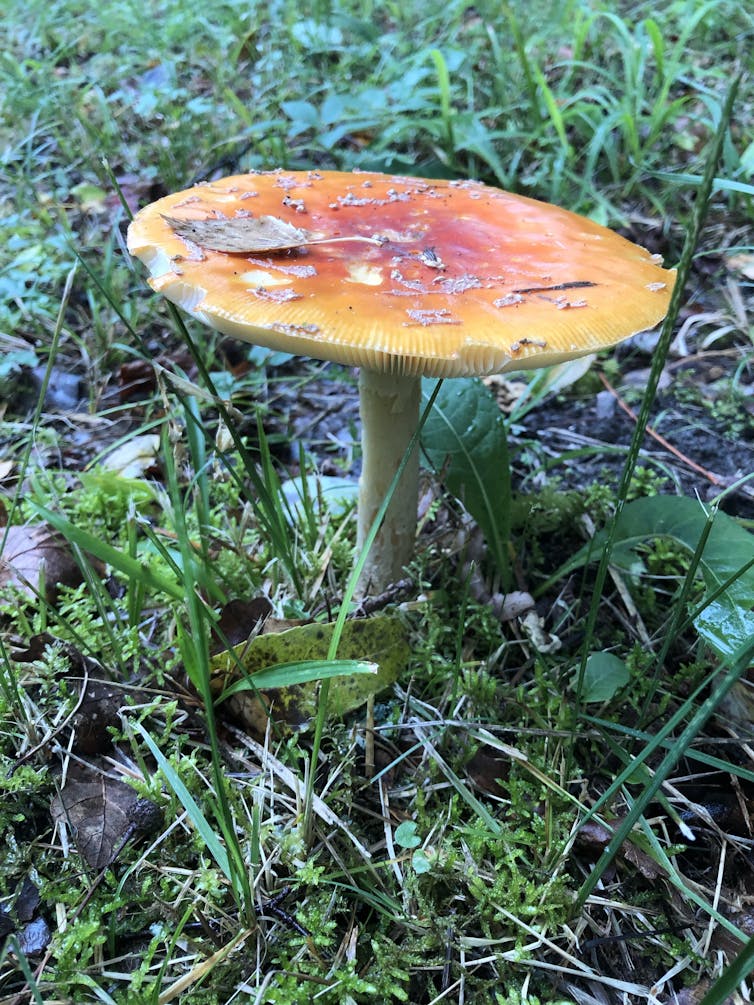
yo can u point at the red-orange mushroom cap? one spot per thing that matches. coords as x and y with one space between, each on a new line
468 279
445 279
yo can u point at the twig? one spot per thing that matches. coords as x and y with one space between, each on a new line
709 475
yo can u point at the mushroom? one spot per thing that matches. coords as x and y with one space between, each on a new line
402 277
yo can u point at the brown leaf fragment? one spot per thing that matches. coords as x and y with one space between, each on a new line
239 621
486 770
726 941
646 865
103 813
97 712
23 918
27 900
245 234
6 925
34 554
136 380
596 835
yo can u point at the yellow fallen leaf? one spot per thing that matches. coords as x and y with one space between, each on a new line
379 640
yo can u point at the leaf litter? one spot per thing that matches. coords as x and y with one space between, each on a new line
102 812
254 235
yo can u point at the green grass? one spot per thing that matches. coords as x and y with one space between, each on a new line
450 840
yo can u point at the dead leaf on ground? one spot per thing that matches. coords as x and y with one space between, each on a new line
381 640
725 940
97 713
23 917
693 996
34 937
595 835
34 554
239 620
487 769
742 262
103 813
135 458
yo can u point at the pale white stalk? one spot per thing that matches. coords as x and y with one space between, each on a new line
389 417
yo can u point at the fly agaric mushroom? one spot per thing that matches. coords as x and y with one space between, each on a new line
404 278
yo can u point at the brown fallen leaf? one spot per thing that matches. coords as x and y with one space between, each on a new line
594 835
103 813
487 769
693 996
247 234
242 234
36 553
97 712
34 937
239 620
23 916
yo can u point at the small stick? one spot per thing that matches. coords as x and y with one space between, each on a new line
709 475
369 739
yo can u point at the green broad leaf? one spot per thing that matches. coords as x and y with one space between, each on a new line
604 676
276 676
405 835
420 862
465 440
727 622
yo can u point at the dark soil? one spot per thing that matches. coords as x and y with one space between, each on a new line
710 426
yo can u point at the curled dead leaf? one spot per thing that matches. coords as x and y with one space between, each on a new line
135 458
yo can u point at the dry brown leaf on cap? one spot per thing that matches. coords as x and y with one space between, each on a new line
248 234
244 234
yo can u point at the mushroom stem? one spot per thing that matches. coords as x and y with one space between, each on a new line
389 416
